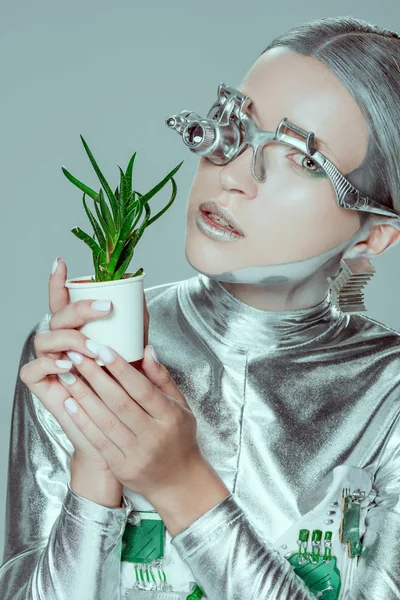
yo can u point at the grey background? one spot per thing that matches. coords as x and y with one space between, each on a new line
114 71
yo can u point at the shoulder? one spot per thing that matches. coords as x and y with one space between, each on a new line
369 333
365 322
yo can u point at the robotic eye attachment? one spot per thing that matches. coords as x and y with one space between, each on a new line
217 137
228 130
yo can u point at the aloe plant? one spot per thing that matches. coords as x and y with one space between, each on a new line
116 232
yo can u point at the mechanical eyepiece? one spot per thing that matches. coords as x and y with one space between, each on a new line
207 137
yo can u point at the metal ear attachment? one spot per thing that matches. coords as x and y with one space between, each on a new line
346 287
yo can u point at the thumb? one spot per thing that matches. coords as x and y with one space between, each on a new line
58 293
158 374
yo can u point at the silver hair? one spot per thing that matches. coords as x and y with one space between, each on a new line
366 58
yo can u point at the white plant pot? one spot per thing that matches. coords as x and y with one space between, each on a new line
123 328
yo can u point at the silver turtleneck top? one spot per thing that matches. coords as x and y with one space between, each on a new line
292 408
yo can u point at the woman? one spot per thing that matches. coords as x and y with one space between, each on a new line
296 403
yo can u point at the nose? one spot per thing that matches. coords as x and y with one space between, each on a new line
237 176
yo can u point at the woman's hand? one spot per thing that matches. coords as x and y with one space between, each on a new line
139 423
40 375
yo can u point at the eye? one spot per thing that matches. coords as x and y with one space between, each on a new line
306 163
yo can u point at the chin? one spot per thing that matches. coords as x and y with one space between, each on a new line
206 255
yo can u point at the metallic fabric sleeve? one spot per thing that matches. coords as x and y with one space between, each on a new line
378 574
230 561
58 545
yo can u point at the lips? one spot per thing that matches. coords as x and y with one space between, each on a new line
213 208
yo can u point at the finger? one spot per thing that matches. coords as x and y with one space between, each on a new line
95 409
146 321
75 314
137 385
94 435
159 375
62 340
113 395
34 373
58 293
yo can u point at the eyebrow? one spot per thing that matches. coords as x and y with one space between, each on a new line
322 146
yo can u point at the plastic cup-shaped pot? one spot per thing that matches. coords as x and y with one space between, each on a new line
123 328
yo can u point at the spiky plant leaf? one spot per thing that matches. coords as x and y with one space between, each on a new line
128 172
104 183
107 216
145 220
173 196
85 237
96 227
79 184
104 226
96 260
125 259
123 195
160 185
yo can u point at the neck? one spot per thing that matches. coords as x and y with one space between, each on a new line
286 296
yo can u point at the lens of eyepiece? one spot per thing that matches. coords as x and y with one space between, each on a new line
193 135
170 122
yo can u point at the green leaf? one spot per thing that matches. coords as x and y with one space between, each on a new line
173 196
123 195
123 234
96 227
130 201
135 222
80 185
96 267
128 172
107 216
103 224
93 245
160 185
145 221
104 183
125 259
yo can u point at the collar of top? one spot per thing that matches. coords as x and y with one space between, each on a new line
237 324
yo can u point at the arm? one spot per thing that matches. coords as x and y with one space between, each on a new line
230 560
55 539
378 574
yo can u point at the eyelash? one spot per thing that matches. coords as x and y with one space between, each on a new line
319 173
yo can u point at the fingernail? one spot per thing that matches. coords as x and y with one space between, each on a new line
105 354
55 265
154 354
101 305
64 364
71 405
76 357
92 346
67 378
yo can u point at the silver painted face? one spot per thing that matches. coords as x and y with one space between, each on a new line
227 131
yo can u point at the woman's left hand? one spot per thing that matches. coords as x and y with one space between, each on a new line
139 421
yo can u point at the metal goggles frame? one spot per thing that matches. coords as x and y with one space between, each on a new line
227 131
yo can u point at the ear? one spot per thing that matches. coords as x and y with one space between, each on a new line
375 236
381 238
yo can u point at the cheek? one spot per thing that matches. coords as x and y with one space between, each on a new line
205 185
298 218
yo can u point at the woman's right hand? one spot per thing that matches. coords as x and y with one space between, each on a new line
40 375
